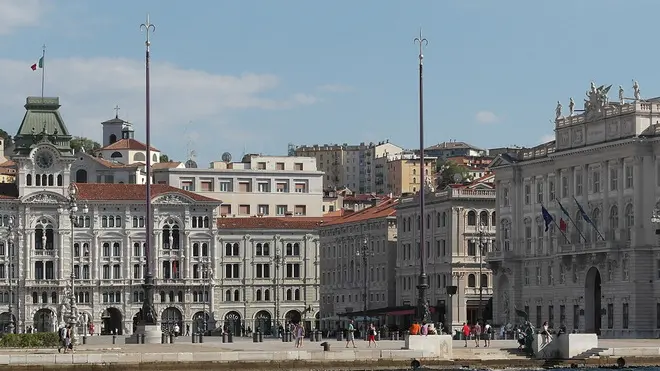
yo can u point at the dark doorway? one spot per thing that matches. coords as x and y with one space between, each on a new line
112 322
592 302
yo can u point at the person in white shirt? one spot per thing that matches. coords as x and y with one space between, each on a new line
546 333
176 330
488 332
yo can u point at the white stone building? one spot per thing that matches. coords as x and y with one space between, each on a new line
459 220
257 186
606 159
108 256
345 289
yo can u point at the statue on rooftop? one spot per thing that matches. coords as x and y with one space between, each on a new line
571 106
558 110
621 94
636 90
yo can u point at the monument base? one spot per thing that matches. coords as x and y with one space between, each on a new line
152 335
432 346
564 346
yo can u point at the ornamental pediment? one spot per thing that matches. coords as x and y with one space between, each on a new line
44 198
172 199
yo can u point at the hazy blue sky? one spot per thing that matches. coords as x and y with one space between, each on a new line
229 75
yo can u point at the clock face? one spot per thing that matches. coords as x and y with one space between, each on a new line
44 160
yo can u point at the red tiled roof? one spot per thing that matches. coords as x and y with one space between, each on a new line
130 144
165 165
8 163
131 192
112 164
384 208
292 222
334 214
363 198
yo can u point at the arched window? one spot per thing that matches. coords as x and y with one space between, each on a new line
630 221
59 180
614 223
296 294
228 295
237 295
154 158
171 234
259 250
28 179
444 219
139 156
112 138
258 295
484 280
43 235
483 218
471 280
267 295
51 181
195 249
595 218
205 249
493 221
171 296
472 218
35 298
116 155
162 296
81 176
506 234
428 221
288 294
179 296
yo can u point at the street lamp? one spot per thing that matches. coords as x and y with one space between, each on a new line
72 208
10 274
277 260
423 312
365 252
481 229
207 274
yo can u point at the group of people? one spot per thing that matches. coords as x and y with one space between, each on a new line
65 339
350 335
423 329
477 332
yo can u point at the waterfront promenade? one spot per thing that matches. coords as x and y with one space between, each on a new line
243 354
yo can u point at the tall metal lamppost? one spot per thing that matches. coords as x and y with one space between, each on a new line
481 242
148 313
365 252
423 313
72 208
207 275
277 260
10 274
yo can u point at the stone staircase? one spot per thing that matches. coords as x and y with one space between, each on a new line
489 354
591 353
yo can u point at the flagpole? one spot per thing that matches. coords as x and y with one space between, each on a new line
571 219
43 70
587 219
554 221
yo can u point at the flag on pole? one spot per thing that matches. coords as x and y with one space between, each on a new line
38 65
547 218
570 219
562 225
587 219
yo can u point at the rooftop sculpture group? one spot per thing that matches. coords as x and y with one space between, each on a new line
597 99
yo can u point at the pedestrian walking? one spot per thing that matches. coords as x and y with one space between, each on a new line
466 333
488 333
62 337
187 329
299 333
371 335
350 334
477 333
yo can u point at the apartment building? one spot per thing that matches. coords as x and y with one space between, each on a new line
357 256
256 186
403 172
454 148
460 223
351 166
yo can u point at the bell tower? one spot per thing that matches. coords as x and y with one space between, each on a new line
42 149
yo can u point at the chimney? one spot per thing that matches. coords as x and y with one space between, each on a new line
374 201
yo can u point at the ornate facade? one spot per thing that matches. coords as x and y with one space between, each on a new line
239 274
455 217
593 270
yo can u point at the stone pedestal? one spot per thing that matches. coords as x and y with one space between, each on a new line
152 335
432 346
564 346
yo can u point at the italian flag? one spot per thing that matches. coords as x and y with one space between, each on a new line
39 64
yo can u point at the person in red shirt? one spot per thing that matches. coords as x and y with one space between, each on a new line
466 333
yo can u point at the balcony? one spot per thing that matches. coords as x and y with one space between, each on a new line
475 291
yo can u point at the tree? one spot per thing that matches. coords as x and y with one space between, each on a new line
8 139
90 146
165 158
446 173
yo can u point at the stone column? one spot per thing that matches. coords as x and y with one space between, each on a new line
638 202
620 165
605 212
61 260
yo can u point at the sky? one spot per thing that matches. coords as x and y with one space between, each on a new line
253 76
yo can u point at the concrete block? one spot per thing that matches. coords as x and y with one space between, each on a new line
17 359
151 357
130 358
170 357
95 358
109 358
69 359
40 359
440 346
209 357
185 357
228 356
4 359
255 356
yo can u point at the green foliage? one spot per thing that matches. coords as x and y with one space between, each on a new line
446 170
164 158
36 340
8 139
77 143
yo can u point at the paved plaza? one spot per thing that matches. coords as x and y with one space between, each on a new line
100 350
